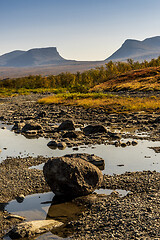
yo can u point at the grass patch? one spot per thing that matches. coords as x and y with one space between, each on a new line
9 92
112 103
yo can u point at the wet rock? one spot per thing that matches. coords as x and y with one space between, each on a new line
18 126
31 125
114 135
91 129
20 198
66 125
123 145
95 160
134 142
71 134
66 176
117 143
62 145
30 229
52 144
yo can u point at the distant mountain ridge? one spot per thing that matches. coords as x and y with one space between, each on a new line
39 57
137 50
32 58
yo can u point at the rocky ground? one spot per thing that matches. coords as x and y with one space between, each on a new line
135 216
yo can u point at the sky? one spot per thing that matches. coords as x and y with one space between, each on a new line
80 29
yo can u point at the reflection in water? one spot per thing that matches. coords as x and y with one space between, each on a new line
34 207
44 206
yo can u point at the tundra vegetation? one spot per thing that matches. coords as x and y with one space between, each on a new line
90 88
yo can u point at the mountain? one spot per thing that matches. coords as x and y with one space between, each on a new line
137 50
8 56
32 58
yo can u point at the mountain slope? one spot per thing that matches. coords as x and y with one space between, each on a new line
32 57
137 50
8 56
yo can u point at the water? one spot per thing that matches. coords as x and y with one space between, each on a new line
33 207
118 160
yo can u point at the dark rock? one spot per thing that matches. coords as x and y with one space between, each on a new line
66 125
18 126
114 135
66 176
52 144
31 125
91 129
134 142
42 114
71 134
61 145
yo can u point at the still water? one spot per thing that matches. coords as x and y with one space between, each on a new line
118 160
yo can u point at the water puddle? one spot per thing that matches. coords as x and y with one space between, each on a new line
46 206
122 193
33 207
118 160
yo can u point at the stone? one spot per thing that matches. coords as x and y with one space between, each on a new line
30 229
114 135
62 145
18 126
72 177
92 129
20 198
31 125
52 144
66 125
71 134
95 160
41 114
134 142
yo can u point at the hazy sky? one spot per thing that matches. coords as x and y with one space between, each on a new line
80 29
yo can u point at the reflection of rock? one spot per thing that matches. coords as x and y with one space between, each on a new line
95 160
67 176
66 125
29 229
91 129
64 212
31 134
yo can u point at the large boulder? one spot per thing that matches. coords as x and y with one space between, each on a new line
66 125
92 129
72 177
